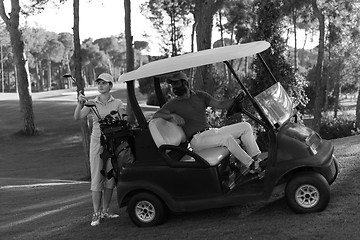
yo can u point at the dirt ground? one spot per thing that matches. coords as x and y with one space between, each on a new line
41 197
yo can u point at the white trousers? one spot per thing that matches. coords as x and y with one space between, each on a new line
227 136
98 181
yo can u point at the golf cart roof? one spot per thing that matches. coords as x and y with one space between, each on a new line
195 59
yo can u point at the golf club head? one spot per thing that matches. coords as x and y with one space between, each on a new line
70 76
67 76
76 83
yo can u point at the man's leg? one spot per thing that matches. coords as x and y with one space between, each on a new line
244 132
212 138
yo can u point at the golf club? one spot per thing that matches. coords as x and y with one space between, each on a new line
113 112
92 105
75 81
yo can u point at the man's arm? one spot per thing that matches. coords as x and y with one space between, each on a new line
167 115
217 104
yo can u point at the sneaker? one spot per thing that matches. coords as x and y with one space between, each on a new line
108 215
255 167
96 218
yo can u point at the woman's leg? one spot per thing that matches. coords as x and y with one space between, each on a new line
97 180
96 200
107 198
108 191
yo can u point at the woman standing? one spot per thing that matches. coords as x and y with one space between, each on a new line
101 187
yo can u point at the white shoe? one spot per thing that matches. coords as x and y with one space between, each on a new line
96 218
108 215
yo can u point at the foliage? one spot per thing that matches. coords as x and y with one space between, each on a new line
166 91
268 26
343 126
50 55
238 19
169 18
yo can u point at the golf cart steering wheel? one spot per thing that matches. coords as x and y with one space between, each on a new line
236 106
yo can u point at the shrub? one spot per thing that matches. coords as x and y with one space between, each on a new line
342 126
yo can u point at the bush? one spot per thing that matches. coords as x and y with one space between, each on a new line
342 126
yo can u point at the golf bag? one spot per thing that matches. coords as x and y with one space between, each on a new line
115 137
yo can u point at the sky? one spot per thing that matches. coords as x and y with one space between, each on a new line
104 18
98 18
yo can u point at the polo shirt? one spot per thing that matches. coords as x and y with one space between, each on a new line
104 109
192 109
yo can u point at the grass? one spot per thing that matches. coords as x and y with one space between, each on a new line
55 152
64 212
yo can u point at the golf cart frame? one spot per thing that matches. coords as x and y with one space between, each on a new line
168 176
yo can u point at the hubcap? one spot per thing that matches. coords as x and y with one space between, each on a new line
145 211
307 196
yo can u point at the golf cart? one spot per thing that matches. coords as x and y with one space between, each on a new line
168 176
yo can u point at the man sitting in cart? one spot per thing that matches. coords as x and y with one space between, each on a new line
188 110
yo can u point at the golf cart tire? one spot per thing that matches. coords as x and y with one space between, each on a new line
307 192
147 210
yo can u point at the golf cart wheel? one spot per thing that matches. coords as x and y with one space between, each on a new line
146 210
307 192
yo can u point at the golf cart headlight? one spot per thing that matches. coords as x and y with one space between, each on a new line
313 141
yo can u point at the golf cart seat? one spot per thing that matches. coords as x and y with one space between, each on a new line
166 133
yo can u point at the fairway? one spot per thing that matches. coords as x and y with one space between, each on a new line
43 196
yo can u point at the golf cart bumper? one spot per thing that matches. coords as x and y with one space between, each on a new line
330 171
323 162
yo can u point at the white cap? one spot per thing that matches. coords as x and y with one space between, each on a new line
105 77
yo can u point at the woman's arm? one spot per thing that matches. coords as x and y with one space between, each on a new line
80 110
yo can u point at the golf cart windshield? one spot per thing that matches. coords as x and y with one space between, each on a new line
276 104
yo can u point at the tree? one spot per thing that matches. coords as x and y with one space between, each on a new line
85 131
204 11
110 47
169 18
68 41
94 61
129 56
319 85
296 9
4 43
22 74
268 26
35 41
54 51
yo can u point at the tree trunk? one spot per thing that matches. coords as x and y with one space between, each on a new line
129 54
357 124
85 131
39 84
319 86
295 37
337 97
2 69
17 44
48 64
203 16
